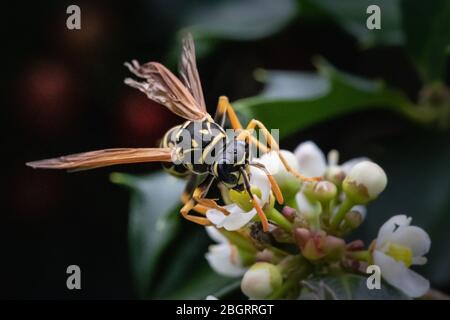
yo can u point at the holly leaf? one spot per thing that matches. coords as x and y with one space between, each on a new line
239 19
153 222
296 100
428 37
352 16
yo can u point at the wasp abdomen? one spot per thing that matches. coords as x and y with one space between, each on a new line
196 145
168 141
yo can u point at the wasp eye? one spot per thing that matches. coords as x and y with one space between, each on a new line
227 173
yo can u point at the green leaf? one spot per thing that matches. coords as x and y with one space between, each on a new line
203 282
427 30
185 273
153 222
347 287
295 100
351 16
167 253
239 19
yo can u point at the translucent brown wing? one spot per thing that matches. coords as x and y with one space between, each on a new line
162 86
189 72
104 158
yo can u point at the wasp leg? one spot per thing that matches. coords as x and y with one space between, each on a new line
189 190
273 183
247 136
198 203
259 210
273 145
224 108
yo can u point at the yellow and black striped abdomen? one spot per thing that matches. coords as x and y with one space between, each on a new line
169 141
196 145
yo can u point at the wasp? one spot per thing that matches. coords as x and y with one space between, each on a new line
185 148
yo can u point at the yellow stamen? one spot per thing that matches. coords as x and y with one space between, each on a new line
400 253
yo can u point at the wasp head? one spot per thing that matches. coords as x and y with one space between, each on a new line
229 164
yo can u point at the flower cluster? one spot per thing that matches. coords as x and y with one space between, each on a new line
307 235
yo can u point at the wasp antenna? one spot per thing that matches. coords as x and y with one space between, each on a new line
259 210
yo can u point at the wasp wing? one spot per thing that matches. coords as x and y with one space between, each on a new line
189 72
104 158
162 86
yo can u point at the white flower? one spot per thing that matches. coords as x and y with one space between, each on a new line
365 182
312 161
273 164
223 257
398 246
238 218
309 209
261 280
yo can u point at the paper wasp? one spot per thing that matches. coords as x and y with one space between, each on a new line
231 157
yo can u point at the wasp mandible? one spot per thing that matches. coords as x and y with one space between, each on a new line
207 139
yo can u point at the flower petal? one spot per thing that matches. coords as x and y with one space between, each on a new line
259 179
414 238
390 226
396 274
234 221
274 165
348 165
216 217
224 261
305 206
215 235
311 159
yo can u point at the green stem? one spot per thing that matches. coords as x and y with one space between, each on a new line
363 255
276 216
343 209
248 257
303 270
277 251
239 240
326 209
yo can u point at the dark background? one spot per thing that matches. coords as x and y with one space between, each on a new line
65 94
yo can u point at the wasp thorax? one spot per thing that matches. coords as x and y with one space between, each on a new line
227 168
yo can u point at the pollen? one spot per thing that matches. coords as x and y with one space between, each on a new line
400 253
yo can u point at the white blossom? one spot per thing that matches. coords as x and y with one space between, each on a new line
398 246
223 257
238 218
261 280
313 163
365 181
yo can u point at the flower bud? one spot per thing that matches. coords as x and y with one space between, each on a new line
317 245
261 280
365 182
289 213
309 210
321 191
353 219
334 248
335 174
